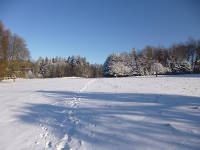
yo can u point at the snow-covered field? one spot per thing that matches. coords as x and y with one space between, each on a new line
138 113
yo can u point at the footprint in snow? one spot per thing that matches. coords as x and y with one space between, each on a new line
168 125
194 107
63 145
36 142
48 144
44 128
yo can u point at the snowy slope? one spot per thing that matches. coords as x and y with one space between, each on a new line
101 114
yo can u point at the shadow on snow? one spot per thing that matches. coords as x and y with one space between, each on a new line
113 119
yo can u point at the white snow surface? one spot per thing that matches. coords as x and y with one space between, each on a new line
133 113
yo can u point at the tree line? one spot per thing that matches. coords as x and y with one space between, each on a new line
61 67
15 60
177 59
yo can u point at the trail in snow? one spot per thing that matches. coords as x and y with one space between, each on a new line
67 142
89 83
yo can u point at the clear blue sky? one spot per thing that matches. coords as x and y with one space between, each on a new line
96 28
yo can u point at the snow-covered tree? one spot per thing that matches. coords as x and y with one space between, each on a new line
119 65
157 68
108 65
182 67
119 69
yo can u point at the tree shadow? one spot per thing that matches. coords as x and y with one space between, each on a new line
120 120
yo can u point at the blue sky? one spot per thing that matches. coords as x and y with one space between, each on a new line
96 28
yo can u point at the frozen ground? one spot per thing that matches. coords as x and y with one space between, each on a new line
139 113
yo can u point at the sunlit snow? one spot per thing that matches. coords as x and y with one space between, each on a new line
134 113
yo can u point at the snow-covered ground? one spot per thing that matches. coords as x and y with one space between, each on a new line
138 113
